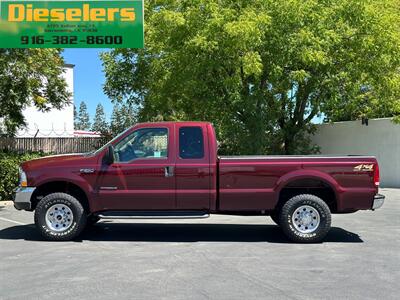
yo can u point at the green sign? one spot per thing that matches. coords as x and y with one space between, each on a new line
71 24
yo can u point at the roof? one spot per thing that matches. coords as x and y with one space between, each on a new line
175 122
83 133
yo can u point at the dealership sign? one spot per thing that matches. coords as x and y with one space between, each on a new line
71 24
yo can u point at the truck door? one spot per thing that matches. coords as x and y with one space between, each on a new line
142 175
192 167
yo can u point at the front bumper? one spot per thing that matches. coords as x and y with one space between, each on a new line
379 199
22 198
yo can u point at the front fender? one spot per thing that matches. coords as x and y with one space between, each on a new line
72 179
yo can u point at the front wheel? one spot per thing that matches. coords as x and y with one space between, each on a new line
60 217
305 218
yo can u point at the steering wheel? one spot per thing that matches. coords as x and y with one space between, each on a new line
126 154
131 151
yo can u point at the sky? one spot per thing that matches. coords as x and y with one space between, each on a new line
88 79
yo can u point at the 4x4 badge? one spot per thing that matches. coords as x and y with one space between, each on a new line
362 167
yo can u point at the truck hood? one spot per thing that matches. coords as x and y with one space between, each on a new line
56 161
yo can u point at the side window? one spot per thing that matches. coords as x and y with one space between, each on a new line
191 143
143 143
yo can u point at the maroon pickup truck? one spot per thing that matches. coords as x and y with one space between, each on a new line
171 170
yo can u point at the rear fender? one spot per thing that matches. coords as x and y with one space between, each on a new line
306 174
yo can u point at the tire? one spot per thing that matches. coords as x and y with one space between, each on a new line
305 219
60 217
275 218
92 220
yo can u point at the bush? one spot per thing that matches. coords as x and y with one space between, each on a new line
9 163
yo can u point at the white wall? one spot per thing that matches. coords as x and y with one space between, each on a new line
380 138
54 123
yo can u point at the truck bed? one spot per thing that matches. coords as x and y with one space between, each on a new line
256 182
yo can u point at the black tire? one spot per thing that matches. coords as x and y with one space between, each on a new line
275 218
76 226
92 220
294 233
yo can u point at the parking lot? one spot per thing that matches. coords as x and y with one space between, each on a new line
222 257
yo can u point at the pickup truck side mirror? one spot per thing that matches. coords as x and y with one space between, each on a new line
108 158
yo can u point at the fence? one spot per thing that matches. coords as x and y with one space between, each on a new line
59 145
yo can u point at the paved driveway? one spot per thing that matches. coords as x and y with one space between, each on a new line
223 257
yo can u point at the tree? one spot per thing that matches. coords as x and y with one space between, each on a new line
30 77
261 70
76 120
83 121
99 122
123 116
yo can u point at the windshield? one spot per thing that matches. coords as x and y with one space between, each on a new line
110 142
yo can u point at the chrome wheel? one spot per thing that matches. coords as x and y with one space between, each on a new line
306 219
59 217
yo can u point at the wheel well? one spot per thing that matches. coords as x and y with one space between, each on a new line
315 187
63 187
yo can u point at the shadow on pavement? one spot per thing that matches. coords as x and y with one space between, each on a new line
145 232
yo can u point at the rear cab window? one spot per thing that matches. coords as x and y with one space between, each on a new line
191 142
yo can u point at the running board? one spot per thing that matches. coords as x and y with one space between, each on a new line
153 215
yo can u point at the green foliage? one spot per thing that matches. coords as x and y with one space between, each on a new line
76 121
29 77
9 162
123 116
83 118
99 123
262 70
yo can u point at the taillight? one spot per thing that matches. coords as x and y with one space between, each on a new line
376 175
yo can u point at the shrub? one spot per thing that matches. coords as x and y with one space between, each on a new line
9 163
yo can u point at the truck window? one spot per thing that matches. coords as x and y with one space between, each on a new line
191 145
143 143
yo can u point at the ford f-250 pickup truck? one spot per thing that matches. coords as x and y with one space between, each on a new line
171 170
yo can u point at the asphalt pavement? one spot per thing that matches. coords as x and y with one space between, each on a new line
222 257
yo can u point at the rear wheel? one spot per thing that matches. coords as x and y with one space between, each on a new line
305 218
60 217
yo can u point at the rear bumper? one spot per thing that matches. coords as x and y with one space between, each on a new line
22 197
379 199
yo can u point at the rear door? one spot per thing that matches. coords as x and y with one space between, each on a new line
192 167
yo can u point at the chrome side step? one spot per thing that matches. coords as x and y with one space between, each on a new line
153 215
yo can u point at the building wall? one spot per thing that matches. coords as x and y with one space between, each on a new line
54 123
380 138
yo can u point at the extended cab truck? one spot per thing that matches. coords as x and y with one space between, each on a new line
171 170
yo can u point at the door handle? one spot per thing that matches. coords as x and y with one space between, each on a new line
169 171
